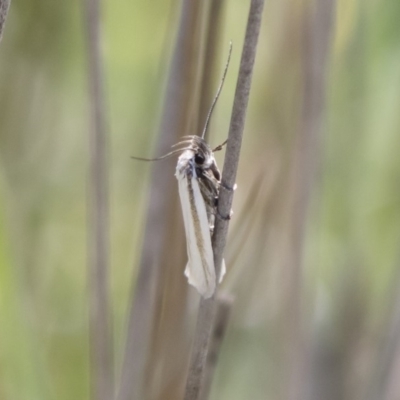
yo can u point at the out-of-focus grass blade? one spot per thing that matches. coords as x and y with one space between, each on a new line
21 372
157 345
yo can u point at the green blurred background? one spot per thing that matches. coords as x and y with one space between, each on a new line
351 246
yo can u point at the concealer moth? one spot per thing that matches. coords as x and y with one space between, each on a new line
199 181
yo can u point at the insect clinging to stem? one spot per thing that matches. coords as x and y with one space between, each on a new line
199 181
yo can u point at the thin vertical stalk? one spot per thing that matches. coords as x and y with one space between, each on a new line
220 325
215 11
4 7
318 22
207 306
154 309
101 355
383 382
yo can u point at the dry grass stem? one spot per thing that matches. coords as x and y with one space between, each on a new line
155 332
316 35
4 7
207 307
383 383
101 353
210 61
220 325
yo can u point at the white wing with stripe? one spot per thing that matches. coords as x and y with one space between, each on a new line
200 269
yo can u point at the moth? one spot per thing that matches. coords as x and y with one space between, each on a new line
199 181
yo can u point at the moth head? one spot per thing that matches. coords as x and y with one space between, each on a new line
203 155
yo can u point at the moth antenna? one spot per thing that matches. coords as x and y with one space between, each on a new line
220 146
218 92
187 141
170 154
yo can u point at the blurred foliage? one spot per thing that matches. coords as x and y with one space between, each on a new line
351 247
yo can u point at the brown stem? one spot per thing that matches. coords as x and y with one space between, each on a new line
207 306
220 325
316 39
4 7
101 353
210 59
155 332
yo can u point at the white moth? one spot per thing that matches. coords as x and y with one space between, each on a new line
199 180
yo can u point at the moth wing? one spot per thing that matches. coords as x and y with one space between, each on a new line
223 271
221 275
200 269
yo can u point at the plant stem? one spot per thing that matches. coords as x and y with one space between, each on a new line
101 353
222 316
207 306
212 42
155 323
4 7
315 45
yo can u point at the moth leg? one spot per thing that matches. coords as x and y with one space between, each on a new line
219 147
